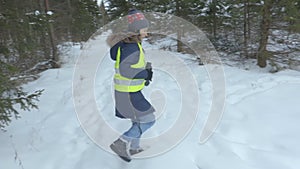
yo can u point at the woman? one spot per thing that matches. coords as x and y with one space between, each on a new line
131 76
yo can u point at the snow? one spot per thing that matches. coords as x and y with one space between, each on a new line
259 127
37 12
49 13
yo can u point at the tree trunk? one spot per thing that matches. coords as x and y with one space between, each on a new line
214 25
179 29
214 18
43 36
52 38
69 29
103 13
249 19
179 40
246 18
262 54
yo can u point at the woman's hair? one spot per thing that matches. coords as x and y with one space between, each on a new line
126 37
132 38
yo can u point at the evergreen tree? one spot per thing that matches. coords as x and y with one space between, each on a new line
117 9
287 12
29 33
12 97
86 19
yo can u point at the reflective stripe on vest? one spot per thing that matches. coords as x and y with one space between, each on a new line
123 84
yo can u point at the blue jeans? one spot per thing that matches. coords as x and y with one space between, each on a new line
135 132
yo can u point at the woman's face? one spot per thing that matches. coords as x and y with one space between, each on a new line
143 32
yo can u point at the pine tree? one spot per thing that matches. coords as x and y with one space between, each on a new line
287 12
118 9
86 19
29 33
12 97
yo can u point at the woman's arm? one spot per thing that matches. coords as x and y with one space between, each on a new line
129 58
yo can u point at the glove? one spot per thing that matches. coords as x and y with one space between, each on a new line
149 78
147 83
150 73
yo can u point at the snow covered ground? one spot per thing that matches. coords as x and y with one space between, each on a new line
259 128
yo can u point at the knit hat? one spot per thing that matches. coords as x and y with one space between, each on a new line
136 21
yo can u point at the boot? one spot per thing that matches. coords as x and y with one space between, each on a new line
121 148
135 151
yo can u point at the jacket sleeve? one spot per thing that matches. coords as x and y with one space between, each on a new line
126 70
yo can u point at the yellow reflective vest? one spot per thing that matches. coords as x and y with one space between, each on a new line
123 84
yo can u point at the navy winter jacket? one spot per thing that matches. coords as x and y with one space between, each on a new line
131 105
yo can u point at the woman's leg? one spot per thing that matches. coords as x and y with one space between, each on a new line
134 134
135 142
